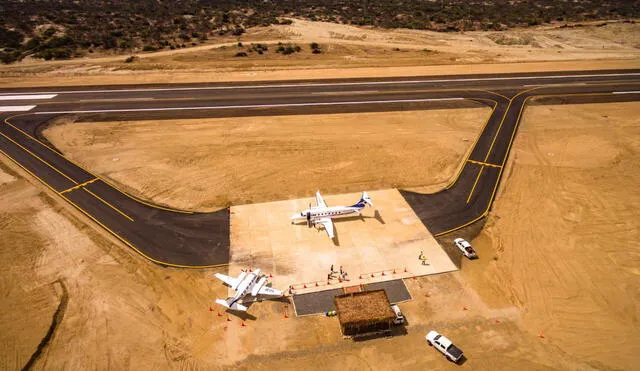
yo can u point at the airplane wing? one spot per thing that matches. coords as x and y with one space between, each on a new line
328 226
265 290
233 282
319 200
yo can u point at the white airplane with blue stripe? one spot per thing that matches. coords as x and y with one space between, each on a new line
247 283
321 214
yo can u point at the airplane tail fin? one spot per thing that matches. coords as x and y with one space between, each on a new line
364 200
231 305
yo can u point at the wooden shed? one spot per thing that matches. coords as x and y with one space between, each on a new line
362 313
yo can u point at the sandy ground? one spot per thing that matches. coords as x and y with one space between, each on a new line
386 239
558 258
565 228
233 161
350 51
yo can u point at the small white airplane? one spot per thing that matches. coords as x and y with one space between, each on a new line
322 214
247 283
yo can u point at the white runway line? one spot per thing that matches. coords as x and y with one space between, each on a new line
302 85
627 92
569 83
27 96
252 106
16 108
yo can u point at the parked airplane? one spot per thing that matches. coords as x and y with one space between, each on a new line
251 283
322 214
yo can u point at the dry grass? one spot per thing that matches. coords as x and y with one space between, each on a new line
349 51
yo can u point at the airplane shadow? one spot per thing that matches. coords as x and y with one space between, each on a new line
242 315
376 216
335 239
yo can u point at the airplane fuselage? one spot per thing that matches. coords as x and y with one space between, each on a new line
245 286
316 213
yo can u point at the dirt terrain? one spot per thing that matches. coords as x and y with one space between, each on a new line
349 51
558 270
206 164
565 231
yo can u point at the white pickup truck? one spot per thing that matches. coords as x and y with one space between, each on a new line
466 248
444 345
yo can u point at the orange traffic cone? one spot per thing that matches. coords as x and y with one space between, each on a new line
360 277
304 286
210 309
465 308
316 284
228 319
219 315
426 294
383 273
242 325
394 271
270 276
405 269
372 275
541 335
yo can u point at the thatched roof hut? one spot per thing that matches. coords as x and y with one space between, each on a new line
362 313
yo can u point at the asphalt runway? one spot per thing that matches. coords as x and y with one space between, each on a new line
190 239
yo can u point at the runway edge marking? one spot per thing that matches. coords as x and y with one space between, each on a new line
122 239
495 105
6 120
495 187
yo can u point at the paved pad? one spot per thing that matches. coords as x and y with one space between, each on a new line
396 290
382 245
315 302
322 301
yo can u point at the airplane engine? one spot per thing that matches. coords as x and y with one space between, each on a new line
309 219
243 274
258 286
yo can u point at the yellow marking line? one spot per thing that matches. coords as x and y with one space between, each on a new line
495 186
107 228
484 164
474 184
78 165
108 204
495 104
29 172
79 186
36 156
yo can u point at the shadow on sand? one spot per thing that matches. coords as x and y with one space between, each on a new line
395 331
